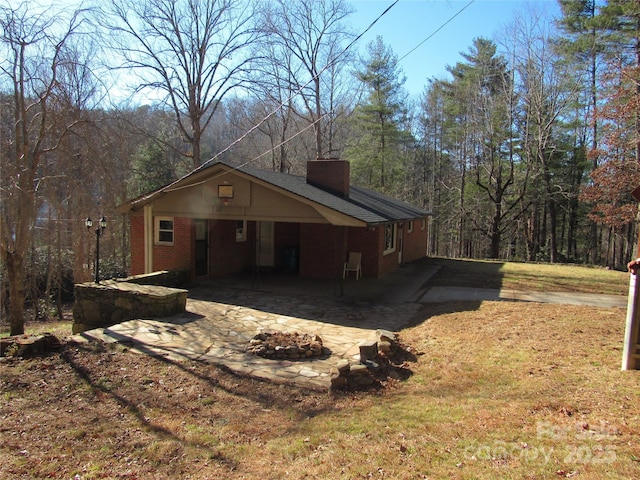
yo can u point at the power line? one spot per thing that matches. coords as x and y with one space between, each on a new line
273 112
436 31
238 167
336 58
297 92
300 89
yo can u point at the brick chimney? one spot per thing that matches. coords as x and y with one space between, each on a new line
331 175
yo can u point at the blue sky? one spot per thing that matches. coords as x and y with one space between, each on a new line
409 22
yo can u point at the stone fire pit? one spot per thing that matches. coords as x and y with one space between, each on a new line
284 345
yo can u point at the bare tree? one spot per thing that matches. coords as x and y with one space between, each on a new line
33 47
547 94
191 53
306 38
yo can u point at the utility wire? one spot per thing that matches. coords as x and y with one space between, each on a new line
238 167
297 92
272 113
353 42
436 31
300 89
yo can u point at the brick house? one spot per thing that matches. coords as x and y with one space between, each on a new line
222 219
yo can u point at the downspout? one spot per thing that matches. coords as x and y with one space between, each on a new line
148 238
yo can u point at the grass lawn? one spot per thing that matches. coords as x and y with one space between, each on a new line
530 276
499 390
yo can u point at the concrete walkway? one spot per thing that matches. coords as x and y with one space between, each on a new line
222 318
456 294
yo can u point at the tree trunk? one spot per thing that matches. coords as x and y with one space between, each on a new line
15 270
318 114
553 240
195 144
495 234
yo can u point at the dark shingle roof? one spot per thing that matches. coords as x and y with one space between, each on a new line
363 204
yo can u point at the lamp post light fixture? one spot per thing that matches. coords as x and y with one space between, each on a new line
102 224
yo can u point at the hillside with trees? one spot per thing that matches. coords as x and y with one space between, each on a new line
528 150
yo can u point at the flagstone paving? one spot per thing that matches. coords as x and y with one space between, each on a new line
223 316
220 322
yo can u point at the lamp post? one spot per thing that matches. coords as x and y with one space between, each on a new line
102 224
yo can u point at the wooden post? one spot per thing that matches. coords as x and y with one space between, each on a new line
630 356
631 347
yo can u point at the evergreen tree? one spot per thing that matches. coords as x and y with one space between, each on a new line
619 23
151 170
582 45
482 91
376 155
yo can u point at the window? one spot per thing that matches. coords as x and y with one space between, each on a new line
410 227
389 238
423 224
164 230
241 230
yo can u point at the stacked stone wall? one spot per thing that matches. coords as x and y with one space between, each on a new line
100 305
164 278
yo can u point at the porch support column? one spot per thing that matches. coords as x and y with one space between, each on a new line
148 238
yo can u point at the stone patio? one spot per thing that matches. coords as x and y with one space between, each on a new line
219 323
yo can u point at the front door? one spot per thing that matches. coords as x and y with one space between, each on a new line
264 247
202 248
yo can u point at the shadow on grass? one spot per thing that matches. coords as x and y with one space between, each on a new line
266 395
427 311
263 392
466 273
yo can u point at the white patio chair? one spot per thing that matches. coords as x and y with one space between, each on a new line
353 265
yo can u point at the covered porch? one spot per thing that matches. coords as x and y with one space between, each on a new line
225 220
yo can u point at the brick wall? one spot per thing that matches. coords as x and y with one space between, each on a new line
286 236
325 249
136 225
179 255
331 175
415 243
365 241
322 250
389 261
165 257
226 255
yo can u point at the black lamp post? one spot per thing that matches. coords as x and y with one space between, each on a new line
101 226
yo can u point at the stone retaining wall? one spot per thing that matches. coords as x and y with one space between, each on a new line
100 305
164 278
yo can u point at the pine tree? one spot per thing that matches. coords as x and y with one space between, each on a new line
481 96
619 23
376 156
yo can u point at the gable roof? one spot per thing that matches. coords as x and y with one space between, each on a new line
363 204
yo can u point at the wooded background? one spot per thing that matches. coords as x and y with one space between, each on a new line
528 151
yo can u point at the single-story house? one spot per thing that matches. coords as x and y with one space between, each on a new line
222 219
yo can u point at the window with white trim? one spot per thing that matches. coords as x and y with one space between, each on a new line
423 224
410 227
390 231
164 230
241 230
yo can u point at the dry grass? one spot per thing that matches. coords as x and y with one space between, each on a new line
506 390
530 276
499 390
